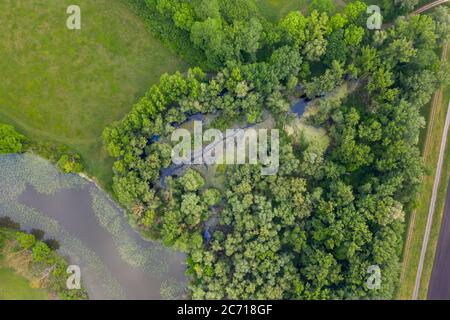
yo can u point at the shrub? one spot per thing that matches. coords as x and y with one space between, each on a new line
70 163
10 140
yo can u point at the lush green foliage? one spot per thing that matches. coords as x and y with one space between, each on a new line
10 140
312 230
70 163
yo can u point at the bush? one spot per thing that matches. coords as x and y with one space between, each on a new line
52 244
41 252
25 240
7 222
10 140
38 234
70 163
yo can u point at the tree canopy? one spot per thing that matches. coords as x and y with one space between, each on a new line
312 230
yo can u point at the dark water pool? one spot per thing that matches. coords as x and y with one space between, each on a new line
299 106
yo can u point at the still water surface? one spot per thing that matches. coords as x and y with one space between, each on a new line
93 232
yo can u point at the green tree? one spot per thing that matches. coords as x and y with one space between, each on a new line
294 25
10 140
336 48
192 209
70 163
441 17
211 197
41 252
407 5
209 35
191 180
25 240
400 51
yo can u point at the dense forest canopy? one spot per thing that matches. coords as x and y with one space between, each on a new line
312 230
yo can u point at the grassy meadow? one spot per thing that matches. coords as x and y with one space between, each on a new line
276 9
16 287
64 86
406 287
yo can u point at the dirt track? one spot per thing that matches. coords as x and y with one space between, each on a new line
439 286
429 6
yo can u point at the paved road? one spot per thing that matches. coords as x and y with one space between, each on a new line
439 286
432 205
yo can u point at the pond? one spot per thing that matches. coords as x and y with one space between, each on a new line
299 106
93 232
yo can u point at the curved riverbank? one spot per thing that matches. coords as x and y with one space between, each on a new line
92 230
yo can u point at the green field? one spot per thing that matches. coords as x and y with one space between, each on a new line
16 287
65 86
440 203
407 285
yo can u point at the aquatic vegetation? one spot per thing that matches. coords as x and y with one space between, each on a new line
20 172
172 289
112 219
95 273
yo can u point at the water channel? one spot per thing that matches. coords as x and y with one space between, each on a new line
93 232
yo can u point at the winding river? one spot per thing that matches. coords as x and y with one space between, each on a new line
93 232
